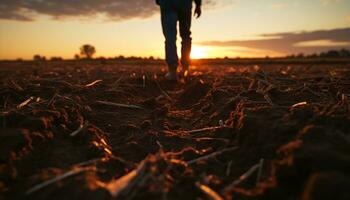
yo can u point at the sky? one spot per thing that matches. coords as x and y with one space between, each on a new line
233 28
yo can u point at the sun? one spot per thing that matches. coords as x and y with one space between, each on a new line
199 52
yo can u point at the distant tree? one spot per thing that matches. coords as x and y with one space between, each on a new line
290 56
37 57
333 54
323 55
151 58
344 53
121 57
313 55
56 59
87 51
300 55
76 57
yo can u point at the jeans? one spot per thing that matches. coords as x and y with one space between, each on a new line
173 11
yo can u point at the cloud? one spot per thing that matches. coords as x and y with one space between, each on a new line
114 9
293 42
28 10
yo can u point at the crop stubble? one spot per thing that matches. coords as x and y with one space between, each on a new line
78 130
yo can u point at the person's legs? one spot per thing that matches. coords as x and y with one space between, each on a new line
185 17
169 24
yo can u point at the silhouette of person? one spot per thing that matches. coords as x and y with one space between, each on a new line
173 11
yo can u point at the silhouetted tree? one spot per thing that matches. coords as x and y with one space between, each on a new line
121 57
56 59
37 57
332 54
313 55
342 53
345 53
87 51
300 55
76 57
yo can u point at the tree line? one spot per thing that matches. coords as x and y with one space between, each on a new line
88 51
341 53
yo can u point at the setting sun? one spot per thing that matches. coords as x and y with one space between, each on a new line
199 52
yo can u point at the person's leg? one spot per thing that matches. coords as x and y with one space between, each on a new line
169 24
185 17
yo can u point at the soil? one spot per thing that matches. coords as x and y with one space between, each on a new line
289 124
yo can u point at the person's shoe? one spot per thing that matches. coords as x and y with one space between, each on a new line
171 76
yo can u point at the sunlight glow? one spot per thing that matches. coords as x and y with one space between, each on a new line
199 52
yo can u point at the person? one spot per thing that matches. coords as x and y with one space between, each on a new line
173 11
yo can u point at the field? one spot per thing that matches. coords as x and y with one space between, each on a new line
100 129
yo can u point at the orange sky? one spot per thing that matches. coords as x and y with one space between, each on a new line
249 28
